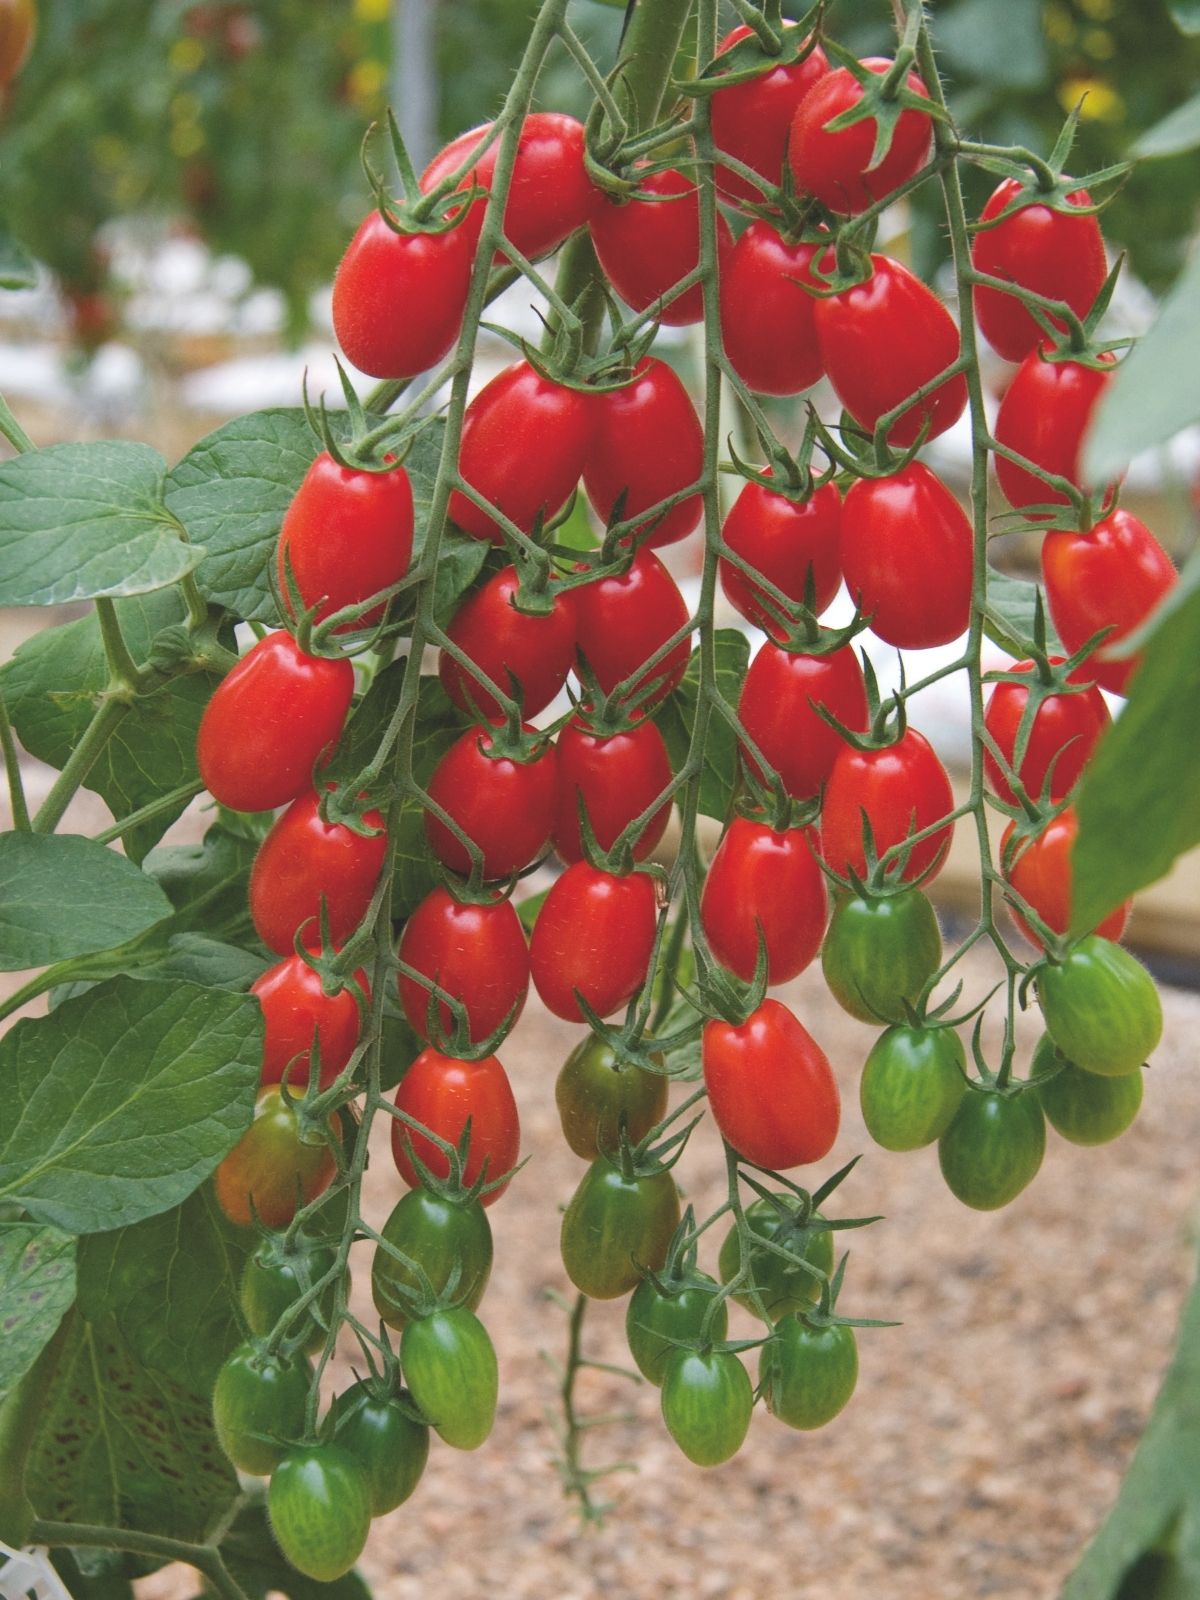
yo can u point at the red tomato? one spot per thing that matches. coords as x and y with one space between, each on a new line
621 621
646 246
762 878
908 555
1044 416
295 1008
751 121
881 340
770 1087
778 705
272 1170
1111 577
304 860
269 723
346 535
399 298
618 776
505 806
1065 731
646 444
444 1094
767 317
901 789
536 650
1039 248
1041 875
786 541
477 953
594 934
836 167
524 440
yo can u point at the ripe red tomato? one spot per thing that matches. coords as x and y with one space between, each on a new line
767 319
778 705
646 444
901 789
881 340
477 953
594 934
273 1166
1111 577
751 121
524 440
1039 248
1044 416
646 246
444 1094
763 878
295 1008
535 649
770 1087
836 167
908 555
1065 731
505 806
617 775
1040 872
269 723
621 621
785 540
304 860
346 535
399 298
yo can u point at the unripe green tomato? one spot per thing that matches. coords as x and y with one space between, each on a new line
707 1401
593 1090
449 1364
438 1235
258 1406
274 1279
319 1503
652 1320
615 1227
807 1374
1101 1007
1082 1106
880 952
782 1287
993 1148
912 1085
387 1443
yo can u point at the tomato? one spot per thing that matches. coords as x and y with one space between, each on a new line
879 952
1040 872
1111 577
908 557
272 1168
763 879
346 535
535 650
506 806
444 1095
441 1236
304 861
524 441
295 1010
597 1092
386 1442
808 1374
617 1227
707 1401
319 1504
782 1286
450 1366
880 341
625 619
279 1272
646 444
767 319
617 776
778 709
771 1091
993 1148
18 28
595 934
1044 416
900 790
789 542
1101 1007
912 1085
1065 730
653 1319
477 953
1081 1106
259 1402
269 723
836 166
751 121
399 298
646 246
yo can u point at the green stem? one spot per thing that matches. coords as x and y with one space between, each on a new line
150 812
12 429
87 1536
123 669
12 770
108 715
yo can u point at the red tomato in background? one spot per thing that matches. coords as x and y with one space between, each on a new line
399 298
767 319
621 621
751 121
618 775
535 649
505 806
1066 727
646 246
477 953
304 860
445 1094
785 540
759 876
1044 416
778 705
834 166
595 934
646 443
903 789
1041 875
770 1087
295 1008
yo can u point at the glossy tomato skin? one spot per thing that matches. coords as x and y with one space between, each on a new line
399 298
771 1091
319 1504
763 878
902 788
443 1094
616 1227
1083 1107
767 317
778 704
1111 577
1040 871
1101 1007
1065 731
912 1086
442 1236
269 723
646 444
993 1149
908 557
304 860
259 1394
595 934
751 121
272 1168
295 1008
596 1092
1044 416
477 953
622 621
388 1444
505 806
536 650
618 776
786 541
808 1374
707 1402
834 166
646 246
880 341
276 1276
653 1319
782 1286
450 1366
880 953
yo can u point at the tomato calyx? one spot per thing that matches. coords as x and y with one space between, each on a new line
457 1041
766 46
416 212
884 95
453 1186
771 804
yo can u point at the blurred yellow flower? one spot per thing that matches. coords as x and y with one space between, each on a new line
186 138
1101 102
372 10
1098 10
367 80
186 55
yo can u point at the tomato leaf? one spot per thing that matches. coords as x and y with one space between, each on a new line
1011 614
1174 134
1002 46
207 883
187 957
250 1552
678 715
37 1286
1185 14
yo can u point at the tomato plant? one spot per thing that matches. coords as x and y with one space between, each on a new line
593 940
503 802
615 776
792 543
912 1085
707 1399
768 884
258 1406
770 1088
297 1012
444 1095
377 1431
274 1168
442 1237
752 120
531 650
807 1374
879 953
277 1276
648 241
309 873
618 1223
663 1312
598 1094
450 1364
320 1508
782 1286
838 165
897 791
646 444
475 951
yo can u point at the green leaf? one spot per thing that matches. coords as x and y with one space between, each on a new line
1175 133
528 909
207 883
460 561
401 1046
1002 46
678 714
1185 14
62 896
37 1286
120 1103
82 520
17 269
188 957
1011 607
254 1560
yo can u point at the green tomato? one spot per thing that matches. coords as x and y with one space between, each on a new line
993 1148
807 1374
276 1276
595 1089
438 1235
707 1401
616 1227
258 1406
782 1287
1101 1007
912 1085
319 1504
391 1446
878 953
1082 1106
450 1366
652 1320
